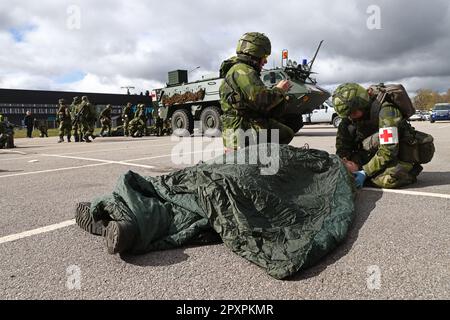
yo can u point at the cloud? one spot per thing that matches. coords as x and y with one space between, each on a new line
120 43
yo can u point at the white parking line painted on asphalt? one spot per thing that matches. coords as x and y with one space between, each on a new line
447 126
97 160
51 170
37 231
34 155
103 162
411 193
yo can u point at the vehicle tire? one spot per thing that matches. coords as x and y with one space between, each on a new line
210 120
295 122
431 121
336 121
182 123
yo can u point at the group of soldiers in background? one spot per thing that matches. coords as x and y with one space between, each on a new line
78 120
80 117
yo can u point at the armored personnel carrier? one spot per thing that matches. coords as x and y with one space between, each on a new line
184 102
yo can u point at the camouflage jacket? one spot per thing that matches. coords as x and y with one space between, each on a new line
106 113
127 112
351 134
63 113
243 93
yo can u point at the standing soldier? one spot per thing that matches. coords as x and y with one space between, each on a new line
105 120
88 118
246 102
65 123
76 126
127 116
159 123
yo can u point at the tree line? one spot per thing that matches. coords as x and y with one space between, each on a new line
427 98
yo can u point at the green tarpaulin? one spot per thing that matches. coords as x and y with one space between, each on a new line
282 222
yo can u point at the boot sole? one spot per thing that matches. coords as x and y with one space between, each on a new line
85 221
113 236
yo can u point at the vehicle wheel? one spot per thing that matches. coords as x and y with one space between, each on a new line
336 121
295 122
182 123
210 120
431 121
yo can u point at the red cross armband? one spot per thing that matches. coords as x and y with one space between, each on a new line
388 135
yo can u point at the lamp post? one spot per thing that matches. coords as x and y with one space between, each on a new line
128 89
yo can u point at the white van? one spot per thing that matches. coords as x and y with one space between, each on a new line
324 114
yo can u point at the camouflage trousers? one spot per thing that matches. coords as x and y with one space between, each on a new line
126 125
398 174
106 126
76 128
65 127
87 128
238 131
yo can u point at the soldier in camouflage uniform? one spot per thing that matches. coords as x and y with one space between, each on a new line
76 126
372 144
3 132
42 126
65 122
246 102
88 118
127 116
105 120
138 126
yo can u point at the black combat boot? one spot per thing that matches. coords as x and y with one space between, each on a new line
416 170
86 138
76 137
60 139
85 221
119 236
68 139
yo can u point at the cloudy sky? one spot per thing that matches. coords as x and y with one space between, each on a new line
104 45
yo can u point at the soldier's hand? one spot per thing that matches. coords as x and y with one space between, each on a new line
284 85
350 165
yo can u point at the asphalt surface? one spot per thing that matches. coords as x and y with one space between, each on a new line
397 248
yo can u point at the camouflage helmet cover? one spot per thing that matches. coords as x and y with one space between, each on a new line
254 44
84 98
349 97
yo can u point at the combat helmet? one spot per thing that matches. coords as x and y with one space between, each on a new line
254 44
62 101
349 97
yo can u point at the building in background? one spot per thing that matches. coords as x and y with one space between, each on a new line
14 103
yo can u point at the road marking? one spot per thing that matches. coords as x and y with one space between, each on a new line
411 193
37 231
103 162
99 160
9 152
444 127
34 155
52 170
